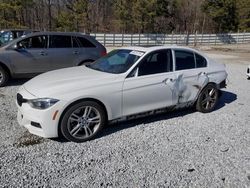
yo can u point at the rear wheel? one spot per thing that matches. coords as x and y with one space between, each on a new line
208 99
83 121
4 76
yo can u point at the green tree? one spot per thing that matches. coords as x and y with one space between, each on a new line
244 14
224 13
123 14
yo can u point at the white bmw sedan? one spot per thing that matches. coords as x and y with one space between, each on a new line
77 102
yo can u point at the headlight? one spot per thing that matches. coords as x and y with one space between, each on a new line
43 103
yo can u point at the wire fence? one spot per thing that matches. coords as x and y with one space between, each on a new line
171 39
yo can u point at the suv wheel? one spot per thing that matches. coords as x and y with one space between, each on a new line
83 121
4 76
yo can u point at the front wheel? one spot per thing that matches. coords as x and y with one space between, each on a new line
4 76
83 121
207 99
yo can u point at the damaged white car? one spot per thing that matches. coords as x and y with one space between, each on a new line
77 102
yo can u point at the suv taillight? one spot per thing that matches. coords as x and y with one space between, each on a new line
103 53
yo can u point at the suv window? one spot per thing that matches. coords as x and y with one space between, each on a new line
34 42
85 43
75 42
184 60
60 41
200 61
156 62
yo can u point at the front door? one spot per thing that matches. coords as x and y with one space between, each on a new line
149 87
31 55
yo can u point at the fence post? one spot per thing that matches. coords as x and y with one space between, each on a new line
131 42
156 38
148 40
187 39
104 39
244 37
172 39
215 40
122 38
114 39
195 38
201 40
139 39
237 40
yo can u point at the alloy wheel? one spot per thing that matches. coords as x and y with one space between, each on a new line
209 98
84 122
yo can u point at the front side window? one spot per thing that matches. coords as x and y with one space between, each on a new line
34 42
156 62
117 61
184 60
60 41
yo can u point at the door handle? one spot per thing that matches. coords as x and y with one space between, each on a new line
167 79
43 53
76 52
202 73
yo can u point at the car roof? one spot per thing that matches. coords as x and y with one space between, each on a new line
56 33
154 48
13 30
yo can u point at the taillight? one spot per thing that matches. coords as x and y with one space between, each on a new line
103 53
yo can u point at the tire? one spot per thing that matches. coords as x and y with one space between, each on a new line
85 63
4 76
208 99
83 121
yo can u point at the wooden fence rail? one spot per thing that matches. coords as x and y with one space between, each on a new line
171 39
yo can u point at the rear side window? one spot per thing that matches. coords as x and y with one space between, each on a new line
60 41
85 43
184 60
200 61
75 42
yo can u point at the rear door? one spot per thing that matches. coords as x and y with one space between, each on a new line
190 69
88 50
62 54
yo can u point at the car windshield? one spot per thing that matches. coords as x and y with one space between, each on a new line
117 61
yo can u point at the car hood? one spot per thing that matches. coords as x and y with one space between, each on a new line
59 82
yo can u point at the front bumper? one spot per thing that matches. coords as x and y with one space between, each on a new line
39 122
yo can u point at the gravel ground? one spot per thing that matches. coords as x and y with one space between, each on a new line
178 149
